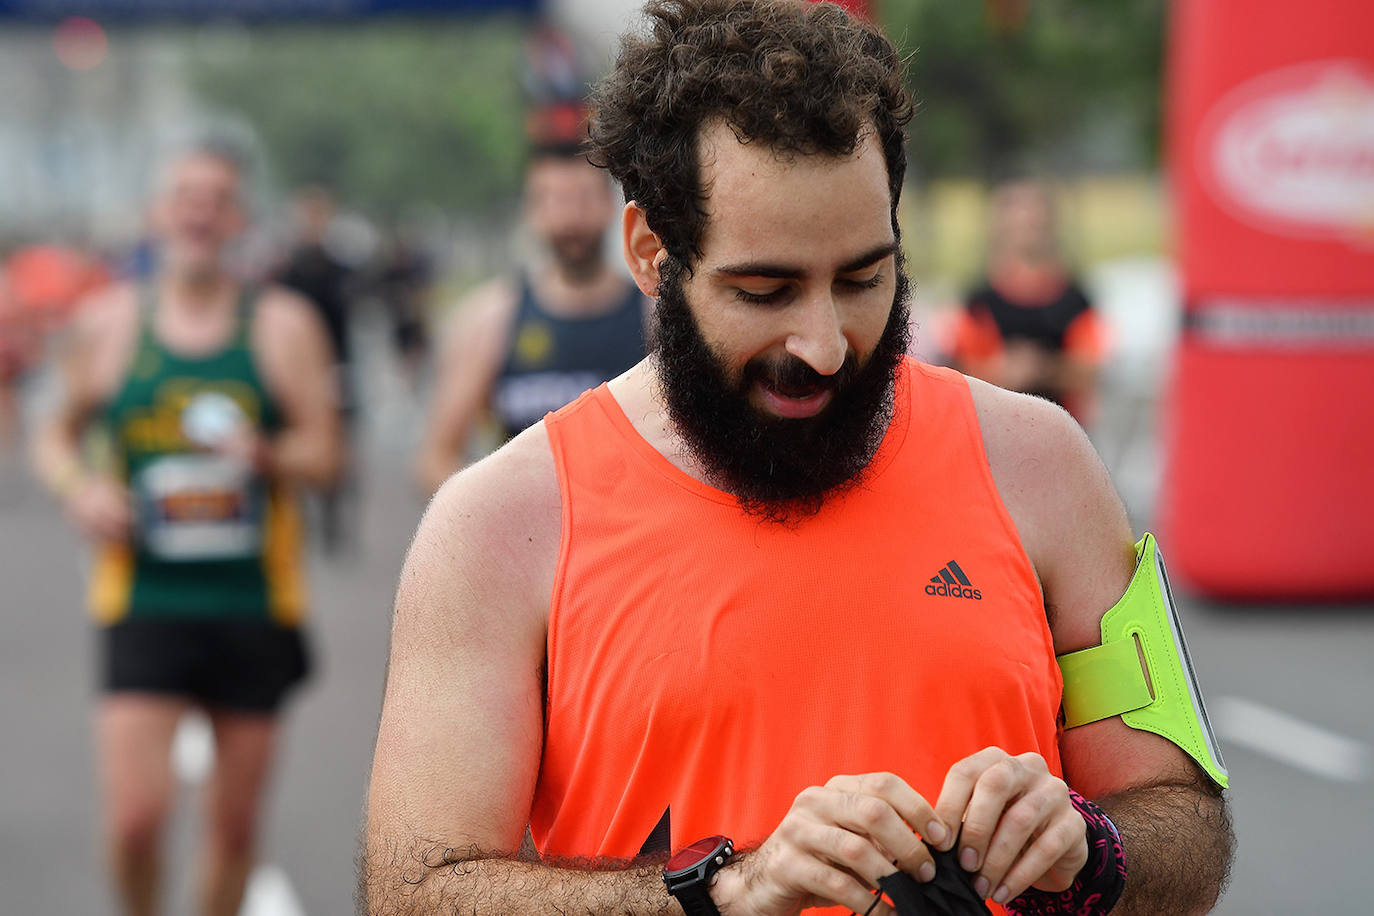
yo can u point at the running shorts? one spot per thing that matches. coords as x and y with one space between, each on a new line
245 665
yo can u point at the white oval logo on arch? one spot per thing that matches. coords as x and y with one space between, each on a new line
1292 151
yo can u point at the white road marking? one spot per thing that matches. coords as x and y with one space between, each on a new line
1291 740
270 893
193 748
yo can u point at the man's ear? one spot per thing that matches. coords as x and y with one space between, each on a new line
643 250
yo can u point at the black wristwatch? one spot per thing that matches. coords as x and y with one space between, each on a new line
688 873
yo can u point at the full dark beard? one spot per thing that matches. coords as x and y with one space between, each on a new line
779 469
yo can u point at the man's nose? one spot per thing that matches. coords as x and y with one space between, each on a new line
817 338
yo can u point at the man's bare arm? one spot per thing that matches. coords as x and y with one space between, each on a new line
1155 823
293 350
436 881
1174 825
56 449
460 737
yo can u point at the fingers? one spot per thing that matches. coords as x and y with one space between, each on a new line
846 848
997 788
1019 825
957 791
1059 852
884 807
798 868
1027 818
112 518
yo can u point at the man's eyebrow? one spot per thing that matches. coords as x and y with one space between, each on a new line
788 272
869 258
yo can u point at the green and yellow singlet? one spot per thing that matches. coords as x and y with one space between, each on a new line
212 538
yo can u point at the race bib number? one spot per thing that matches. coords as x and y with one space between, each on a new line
199 507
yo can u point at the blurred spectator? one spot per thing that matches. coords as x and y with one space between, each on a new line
312 270
19 348
39 287
48 280
1027 325
403 282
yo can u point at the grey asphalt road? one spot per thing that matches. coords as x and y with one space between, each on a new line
1305 823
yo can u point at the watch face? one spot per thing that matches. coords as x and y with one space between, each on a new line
688 856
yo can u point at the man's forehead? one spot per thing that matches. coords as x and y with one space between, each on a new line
755 195
564 170
196 167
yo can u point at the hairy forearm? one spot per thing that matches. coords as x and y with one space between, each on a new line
1178 842
430 880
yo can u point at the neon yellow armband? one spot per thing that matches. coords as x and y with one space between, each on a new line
1142 671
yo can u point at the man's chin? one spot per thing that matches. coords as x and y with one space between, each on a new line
578 259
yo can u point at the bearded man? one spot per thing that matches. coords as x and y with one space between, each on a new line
778 598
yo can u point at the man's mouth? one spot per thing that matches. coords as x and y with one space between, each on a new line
794 402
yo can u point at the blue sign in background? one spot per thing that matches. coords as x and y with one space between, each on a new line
164 10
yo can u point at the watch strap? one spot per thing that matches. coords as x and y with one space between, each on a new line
695 900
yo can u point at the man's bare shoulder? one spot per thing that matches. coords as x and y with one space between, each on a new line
282 313
1029 441
1061 499
482 313
99 343
501 518
108 314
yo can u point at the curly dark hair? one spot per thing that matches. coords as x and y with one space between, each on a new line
802 78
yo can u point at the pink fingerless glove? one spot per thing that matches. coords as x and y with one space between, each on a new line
1100 882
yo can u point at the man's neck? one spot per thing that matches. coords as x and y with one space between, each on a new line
195 314
580 293
194 290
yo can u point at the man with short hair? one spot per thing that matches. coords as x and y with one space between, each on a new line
1028 325
778 599
217 399
524 346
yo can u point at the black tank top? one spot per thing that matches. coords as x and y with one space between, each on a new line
552 359
1044 323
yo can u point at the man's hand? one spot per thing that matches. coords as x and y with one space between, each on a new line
1019 827
249 448
102 507
832 847
1025 365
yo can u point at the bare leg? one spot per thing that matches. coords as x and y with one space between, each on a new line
133 741
244 743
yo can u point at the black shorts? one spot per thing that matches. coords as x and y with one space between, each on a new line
246 665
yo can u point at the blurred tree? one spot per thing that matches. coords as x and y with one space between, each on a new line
1003 85
391 114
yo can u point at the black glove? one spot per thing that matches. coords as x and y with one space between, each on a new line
950 894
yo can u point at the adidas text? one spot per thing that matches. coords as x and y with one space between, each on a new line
954 591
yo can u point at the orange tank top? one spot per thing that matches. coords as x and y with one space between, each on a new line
704 667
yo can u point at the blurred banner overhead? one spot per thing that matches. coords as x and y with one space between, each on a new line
257 10
1269 491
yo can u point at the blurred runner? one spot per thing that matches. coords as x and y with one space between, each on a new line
217 399
403 284
1028 325
312 270
18 350
522 347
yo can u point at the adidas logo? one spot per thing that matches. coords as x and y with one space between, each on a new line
952 583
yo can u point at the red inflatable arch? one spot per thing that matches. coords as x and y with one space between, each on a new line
1269 480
